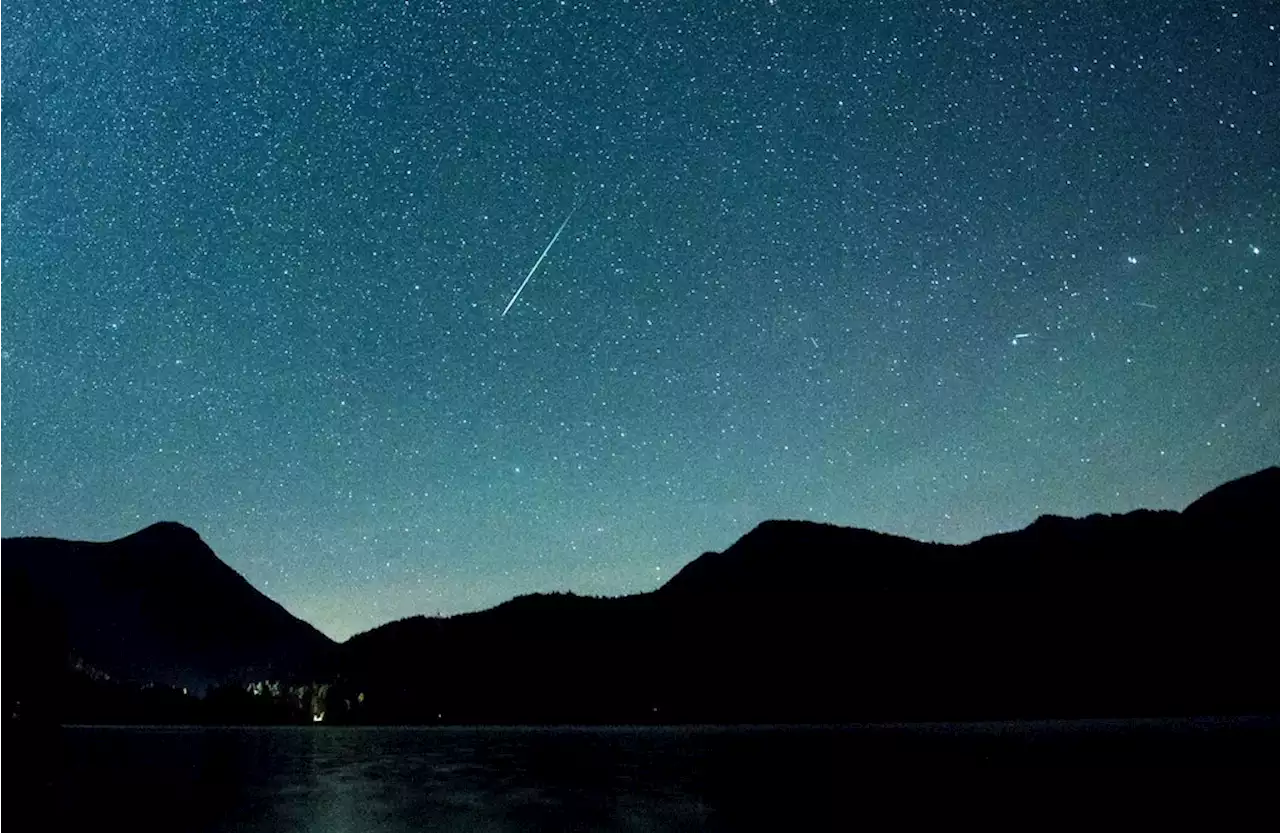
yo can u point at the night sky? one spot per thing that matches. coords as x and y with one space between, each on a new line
929 268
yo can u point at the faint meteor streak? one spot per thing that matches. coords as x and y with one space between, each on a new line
1145 304
538 262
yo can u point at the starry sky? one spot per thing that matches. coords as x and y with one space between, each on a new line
928 268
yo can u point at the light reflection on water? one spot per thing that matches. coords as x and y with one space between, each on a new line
598 779
373 779
484 780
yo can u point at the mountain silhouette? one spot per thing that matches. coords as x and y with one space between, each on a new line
807 557
1144 613
1248 503
155 607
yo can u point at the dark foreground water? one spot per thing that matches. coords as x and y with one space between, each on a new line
596 779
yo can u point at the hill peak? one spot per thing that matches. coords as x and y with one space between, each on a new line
1254 494
158 606
170 530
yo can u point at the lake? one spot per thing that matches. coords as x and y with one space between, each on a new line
511 779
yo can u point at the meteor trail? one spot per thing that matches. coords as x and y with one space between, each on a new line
538 262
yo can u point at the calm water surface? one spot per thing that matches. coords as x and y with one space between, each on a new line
507 779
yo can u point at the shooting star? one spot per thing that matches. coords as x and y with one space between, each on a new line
538 263
1019 336
1144 304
